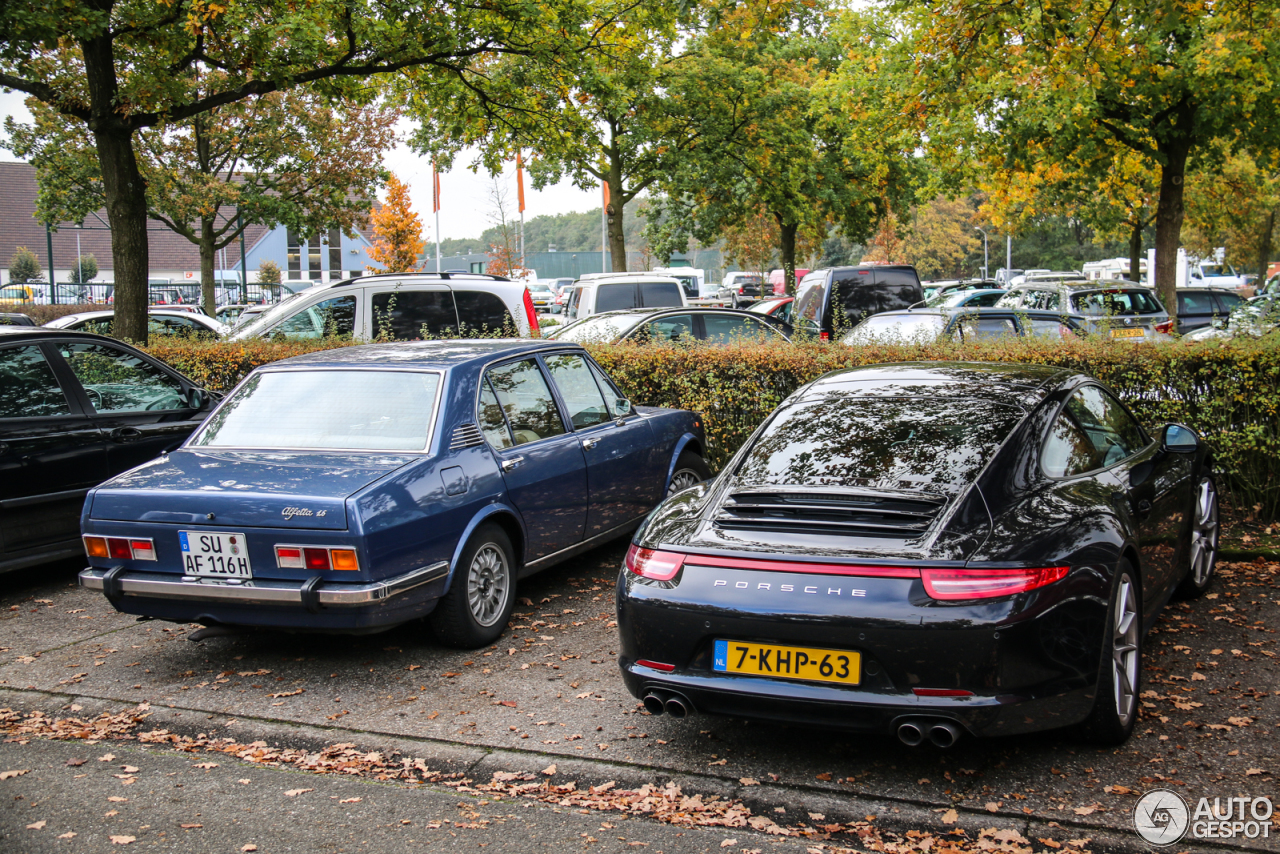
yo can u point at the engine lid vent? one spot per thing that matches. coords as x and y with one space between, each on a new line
853 513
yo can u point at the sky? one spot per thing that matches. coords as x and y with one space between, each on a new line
465 195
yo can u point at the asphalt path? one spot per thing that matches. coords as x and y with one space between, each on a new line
545 710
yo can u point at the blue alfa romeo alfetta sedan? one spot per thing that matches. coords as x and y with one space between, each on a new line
355 489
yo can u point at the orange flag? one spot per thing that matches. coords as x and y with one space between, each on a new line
605 186
435 189
520 180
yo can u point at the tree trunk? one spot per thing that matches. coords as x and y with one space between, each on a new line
617 239
1135 254
1264 249
1169 213
787 250
208 296
124 189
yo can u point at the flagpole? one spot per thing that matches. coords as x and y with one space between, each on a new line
604 228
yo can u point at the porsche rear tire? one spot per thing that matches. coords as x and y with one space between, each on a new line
478 605
1115 705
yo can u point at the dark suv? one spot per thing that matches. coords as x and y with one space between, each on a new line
1199 307
837 299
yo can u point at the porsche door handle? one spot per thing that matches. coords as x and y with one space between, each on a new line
1140 509
512 464
4 448
125 434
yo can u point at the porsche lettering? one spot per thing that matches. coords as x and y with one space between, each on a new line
811 589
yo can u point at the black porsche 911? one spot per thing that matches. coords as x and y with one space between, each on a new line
930 549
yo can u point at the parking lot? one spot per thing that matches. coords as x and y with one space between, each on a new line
548 697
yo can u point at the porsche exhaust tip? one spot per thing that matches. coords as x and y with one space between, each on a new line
910 733
944 734
653 704
678 707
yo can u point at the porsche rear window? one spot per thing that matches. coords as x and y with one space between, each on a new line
333 409
935 444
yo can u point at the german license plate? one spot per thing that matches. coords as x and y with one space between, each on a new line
788 662
1128 333
215 555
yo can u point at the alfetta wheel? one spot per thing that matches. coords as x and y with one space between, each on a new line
1202 550
690 469
478 605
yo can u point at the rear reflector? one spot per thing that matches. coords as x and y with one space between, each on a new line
656 665
1164 327
940 692
649 563
316 558
119 548
956 584
824 336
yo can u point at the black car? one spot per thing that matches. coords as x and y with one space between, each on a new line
832 301
75 409
646 325
1200 307
16 319
744 290
929 549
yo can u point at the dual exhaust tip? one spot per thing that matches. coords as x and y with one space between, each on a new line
660 702
940 733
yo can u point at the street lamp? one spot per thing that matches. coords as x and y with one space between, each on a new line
984 250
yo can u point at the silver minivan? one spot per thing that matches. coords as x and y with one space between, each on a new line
597 292
401 307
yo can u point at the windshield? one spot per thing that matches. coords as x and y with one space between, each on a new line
933 444
895 328
261 322
369 410
1107 303
598 327
1217 270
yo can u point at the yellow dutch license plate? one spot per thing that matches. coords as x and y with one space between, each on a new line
788 662
1128 333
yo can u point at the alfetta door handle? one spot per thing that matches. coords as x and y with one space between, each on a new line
512 464
590 443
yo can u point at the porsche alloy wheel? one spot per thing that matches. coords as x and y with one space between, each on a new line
1204 533
1125 657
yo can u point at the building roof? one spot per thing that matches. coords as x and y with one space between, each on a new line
19 227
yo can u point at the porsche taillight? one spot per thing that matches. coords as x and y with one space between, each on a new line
653 564
957 584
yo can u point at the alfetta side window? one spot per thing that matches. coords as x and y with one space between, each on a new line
526 399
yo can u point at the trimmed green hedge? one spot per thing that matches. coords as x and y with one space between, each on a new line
1229 391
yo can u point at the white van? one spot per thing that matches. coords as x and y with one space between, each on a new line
692 279
402 307
597 292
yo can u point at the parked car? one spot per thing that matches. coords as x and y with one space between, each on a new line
599 292
692 279
401 307
1199 307
958 297
160 321
16 295
929 324
1258 317
643 325
731 280
16 319
932 289
76 409
832 301
930 549
743 288
1114 308
229 315
542 295
778 311
358 488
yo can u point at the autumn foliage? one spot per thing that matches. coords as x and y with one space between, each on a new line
397 232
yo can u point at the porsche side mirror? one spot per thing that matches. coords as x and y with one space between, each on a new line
1180 440
196 398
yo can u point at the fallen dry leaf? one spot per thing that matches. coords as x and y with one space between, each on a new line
206 765
993 806
293 793
122 840
350 800
190 826
1089 810
250 847
116 799
550 770
70 834
39 825
5 775
76 763
727 842
749 781
1255 771
950 817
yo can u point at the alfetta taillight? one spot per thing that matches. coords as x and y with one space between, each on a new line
119 548
317 558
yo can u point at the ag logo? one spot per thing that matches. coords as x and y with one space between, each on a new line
1161 817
